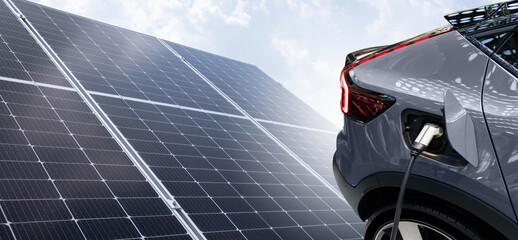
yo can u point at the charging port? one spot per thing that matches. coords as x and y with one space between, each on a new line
439 149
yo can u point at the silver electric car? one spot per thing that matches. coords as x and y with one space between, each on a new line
462 78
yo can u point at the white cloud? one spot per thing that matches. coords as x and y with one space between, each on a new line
289 50
314 81
162 18
238 16
311 9
260 6
400 19
176 31
321 66
202 9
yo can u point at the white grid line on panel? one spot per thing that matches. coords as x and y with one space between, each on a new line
40 84
295 126
158 103
164 104
166 196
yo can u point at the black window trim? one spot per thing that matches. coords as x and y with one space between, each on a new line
501 61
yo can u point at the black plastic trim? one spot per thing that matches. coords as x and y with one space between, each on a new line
356 195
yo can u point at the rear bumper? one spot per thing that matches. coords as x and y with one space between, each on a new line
350 193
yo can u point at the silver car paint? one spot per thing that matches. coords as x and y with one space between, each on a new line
501 110
460 129
417 76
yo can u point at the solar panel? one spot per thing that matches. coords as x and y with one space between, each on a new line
296 125
117 61
227 172
257 93
21 57
63 176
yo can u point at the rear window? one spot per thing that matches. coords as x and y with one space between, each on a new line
489 41
507 53
487 27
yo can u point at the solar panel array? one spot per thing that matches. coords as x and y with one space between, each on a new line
295 124
228 175
65 175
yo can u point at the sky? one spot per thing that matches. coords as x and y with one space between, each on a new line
300 43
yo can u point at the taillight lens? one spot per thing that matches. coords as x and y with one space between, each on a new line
344 102
361 104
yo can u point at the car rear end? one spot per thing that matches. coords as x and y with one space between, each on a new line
389 93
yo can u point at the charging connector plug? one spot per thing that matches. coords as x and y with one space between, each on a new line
429 132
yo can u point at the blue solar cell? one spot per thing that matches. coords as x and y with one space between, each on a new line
261 234
110 228
320 232
278 219
96 208
5 232
36 210
230 235
213 222
158 226
293 233
344 231
47 230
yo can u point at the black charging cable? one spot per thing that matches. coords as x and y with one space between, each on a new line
422 141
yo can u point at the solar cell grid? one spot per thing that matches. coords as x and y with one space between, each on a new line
313 147
20 56
253 90
113 60
225 172
58 181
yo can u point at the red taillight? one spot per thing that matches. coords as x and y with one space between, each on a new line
361 104
344 103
